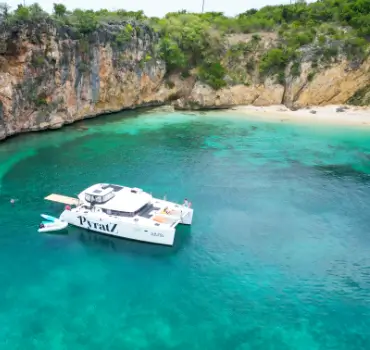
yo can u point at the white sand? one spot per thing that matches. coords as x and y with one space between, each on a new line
323 115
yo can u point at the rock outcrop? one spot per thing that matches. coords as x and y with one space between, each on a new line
204 97
335 85
50 76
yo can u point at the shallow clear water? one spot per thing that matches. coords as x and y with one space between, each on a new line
277 257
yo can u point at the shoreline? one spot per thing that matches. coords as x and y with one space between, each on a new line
328 115
324 115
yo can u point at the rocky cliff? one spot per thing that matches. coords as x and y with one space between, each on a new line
51 75
307 81
337 84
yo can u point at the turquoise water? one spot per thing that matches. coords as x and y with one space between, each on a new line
277 257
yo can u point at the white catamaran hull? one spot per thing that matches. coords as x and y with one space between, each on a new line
114 226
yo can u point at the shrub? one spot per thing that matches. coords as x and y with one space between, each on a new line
360 97
41 101
310 76
22 13
321 39
355 48
172 54
273 61
125 35
84 21
213 74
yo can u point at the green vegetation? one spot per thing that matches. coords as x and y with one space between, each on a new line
324 30
38 60
311 75
274 61
213 74
192 43
361 97
125 35
41 101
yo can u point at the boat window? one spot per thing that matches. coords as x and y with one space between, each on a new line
108 196
99 199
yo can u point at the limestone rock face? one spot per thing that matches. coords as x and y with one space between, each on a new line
335 85
204 97
49 76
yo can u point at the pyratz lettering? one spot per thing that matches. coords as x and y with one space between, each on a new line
96 225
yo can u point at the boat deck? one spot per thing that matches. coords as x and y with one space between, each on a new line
62 199
145 213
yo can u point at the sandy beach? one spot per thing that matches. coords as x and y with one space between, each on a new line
333 114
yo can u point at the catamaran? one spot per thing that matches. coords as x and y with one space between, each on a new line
125 212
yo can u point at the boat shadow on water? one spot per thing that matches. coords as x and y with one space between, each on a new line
123 245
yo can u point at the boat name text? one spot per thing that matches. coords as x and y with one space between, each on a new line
96 225
157 234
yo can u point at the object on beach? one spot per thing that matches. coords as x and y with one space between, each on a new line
340 109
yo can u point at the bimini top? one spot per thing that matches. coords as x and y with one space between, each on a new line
115 197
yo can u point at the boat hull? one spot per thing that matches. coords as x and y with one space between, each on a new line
115 227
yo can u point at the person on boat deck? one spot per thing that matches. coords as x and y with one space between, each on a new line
42 225
186 203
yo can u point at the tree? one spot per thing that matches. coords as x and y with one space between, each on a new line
86 21
22 13
213 73
59 10
36 12
171 54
